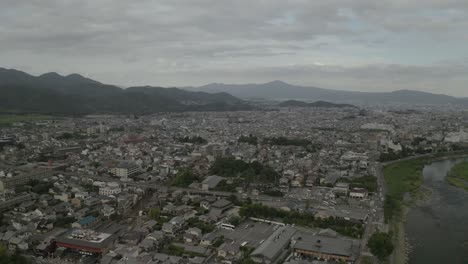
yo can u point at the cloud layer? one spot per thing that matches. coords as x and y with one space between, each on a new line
363 45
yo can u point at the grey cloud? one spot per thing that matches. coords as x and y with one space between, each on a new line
181 42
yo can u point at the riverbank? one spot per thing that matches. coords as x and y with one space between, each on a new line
458 175
402 248
403 180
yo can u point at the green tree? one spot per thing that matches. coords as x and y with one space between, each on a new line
380 245
15 258
184 178
154 213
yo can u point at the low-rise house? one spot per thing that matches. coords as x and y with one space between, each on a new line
219 207
131 238
85 223
208 239
358 193
192 235
229 251
341 188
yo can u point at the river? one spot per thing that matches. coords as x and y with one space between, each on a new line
437 230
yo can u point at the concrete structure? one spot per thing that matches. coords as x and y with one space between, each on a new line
341 188
86 241
211 182
325 248
274 245
125 169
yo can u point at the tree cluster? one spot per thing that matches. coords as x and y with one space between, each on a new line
250 139
252 172
184 178
341 226
380 245
284 141
15 258
367 182
193 140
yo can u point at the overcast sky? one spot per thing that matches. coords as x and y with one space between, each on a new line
366 45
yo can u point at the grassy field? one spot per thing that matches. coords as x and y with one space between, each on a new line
403 177
6 120
406 177
458 176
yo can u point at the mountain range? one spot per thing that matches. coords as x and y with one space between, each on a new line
74 94
278 90
320 104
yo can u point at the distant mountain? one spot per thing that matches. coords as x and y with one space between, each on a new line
186 97
278 90
75 94
320 104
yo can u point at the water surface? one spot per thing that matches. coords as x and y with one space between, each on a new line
438 229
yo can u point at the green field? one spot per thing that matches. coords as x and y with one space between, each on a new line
401 177
6 120
458 175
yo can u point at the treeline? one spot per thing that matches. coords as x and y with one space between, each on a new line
401 178
281 141
184 178
250 139
193 140
69 135
15 258
35 186
284 141
381 245
340 225
252 172
367 182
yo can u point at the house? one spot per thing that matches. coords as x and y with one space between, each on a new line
169 209
85 223
208 239
229 251
358 193
107 210
192 235
131 238
125 169
219 207
76 202
152 241
341 188
174 225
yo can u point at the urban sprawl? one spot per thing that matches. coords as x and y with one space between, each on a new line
289 185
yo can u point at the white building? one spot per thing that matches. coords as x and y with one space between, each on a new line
125 169
112 188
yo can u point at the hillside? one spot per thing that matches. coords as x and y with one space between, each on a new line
319 104
74 94
278 90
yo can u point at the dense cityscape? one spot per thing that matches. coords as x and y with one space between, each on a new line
275 185
233 132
